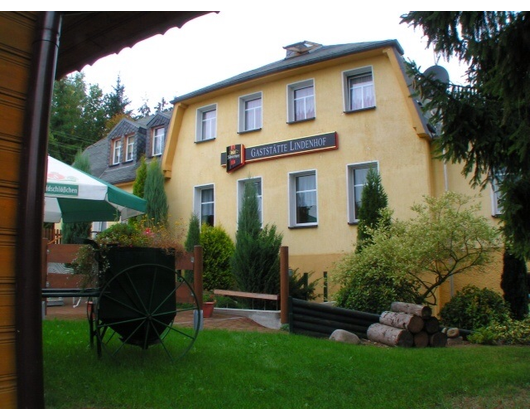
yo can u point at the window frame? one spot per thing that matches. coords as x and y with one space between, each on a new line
293 194
496 207
241 191
291 89
158 139
351 185
198 203
242 121
117 150
200 132
129 148
347 98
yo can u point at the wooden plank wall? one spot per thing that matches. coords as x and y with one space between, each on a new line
16 36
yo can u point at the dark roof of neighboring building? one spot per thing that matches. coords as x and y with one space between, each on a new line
98 153
315 55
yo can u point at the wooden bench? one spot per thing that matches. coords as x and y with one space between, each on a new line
247 295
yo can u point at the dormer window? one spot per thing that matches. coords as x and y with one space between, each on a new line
158 141
117 146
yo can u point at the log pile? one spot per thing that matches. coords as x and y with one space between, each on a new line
408 325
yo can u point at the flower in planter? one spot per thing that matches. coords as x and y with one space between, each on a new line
208 296
91 260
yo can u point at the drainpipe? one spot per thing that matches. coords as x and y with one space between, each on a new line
28 308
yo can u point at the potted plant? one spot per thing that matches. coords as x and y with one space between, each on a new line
208 303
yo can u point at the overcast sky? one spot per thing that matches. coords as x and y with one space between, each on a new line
215 47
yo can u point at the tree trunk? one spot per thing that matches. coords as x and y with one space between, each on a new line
411 308
421 339
412 323
390 336
432 325
438 340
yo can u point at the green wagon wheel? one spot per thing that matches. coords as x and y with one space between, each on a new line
138 307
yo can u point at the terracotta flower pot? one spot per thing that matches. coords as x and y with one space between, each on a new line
207 309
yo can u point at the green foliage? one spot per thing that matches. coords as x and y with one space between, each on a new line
155 195
77 118
514 284
73 232
256 260
484 124
446 237
473 308
300 287
370 282
218 249
139 181
193 237
511 332
373 201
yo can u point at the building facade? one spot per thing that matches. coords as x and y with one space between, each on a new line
306 130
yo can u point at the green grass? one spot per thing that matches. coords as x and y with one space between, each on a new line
227 369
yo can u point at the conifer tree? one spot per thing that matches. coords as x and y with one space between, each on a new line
373 200
155 195
256 262
193 238
139 182
514 285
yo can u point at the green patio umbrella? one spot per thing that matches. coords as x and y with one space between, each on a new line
74 196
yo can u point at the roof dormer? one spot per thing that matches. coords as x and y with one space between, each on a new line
300 48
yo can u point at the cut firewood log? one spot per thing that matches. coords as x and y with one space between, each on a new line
431 325
412 323
438 339
452 332
411 308
421 339
390 336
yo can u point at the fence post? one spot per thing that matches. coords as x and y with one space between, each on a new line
284 284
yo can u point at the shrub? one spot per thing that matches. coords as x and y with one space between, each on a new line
473 308
370 283
300 287
511 332
218 249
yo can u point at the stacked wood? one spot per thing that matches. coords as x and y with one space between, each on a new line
408 325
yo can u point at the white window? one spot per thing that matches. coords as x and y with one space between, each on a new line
356 182
206 123
496 197
301 101
158 141
129 148
241 194
117 147
250 112
204 204
303 207
359 90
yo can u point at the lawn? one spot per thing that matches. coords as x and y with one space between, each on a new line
227 369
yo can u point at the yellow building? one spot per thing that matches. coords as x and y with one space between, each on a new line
306 129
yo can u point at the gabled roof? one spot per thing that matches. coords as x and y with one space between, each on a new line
316 55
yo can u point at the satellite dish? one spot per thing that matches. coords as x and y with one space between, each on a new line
437 73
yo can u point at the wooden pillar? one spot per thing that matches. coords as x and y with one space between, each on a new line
197 273
284 284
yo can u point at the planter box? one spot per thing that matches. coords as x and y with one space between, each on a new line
140 303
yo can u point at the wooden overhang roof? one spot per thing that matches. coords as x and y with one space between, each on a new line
88 36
